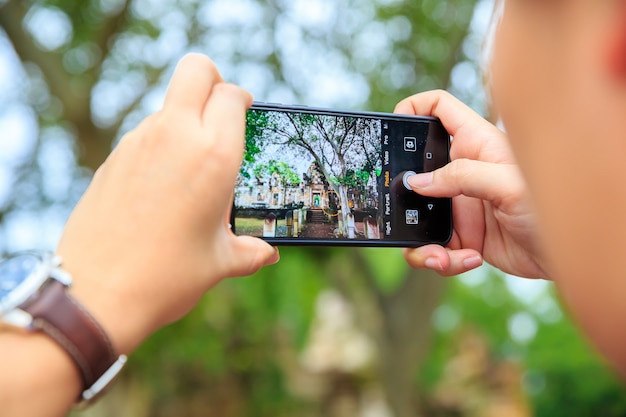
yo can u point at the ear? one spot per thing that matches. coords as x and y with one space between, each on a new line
616 45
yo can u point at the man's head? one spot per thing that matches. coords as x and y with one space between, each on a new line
559 83
559 68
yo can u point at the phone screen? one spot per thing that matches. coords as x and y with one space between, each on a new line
327 177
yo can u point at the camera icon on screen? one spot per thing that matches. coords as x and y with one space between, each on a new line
410 144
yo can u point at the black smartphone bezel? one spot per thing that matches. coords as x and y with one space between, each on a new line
285 241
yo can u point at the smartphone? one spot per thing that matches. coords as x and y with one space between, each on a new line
314 176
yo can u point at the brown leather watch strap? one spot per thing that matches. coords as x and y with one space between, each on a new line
59 315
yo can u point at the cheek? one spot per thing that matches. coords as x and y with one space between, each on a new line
524 79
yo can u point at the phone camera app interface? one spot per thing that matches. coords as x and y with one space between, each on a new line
325 176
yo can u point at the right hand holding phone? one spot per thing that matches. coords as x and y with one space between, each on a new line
492 210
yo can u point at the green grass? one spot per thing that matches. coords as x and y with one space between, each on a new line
249 226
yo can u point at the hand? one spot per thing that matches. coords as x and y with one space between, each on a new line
151 236
492 212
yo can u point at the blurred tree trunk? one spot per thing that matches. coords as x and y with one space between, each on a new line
407 315
398 321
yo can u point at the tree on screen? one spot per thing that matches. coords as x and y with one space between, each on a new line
346 150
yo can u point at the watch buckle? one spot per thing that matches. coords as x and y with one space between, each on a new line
91 394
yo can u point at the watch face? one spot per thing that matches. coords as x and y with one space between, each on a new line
16 273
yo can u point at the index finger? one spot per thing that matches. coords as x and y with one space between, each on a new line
474 137
191 84
453 113
224 121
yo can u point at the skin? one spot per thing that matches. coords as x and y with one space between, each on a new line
162 200
559 87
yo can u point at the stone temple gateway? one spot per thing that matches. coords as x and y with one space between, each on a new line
309 208
313 193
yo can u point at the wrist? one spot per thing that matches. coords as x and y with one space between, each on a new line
35 299
110 309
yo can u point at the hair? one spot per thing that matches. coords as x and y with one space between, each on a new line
486 57
490 35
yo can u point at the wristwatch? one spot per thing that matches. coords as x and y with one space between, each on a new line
34 297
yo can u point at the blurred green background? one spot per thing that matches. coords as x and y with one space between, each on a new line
326 332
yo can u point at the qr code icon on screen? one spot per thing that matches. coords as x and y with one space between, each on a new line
412 217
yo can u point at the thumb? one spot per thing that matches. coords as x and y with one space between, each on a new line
483 180
250 254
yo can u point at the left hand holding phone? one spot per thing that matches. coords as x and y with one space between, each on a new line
150 236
